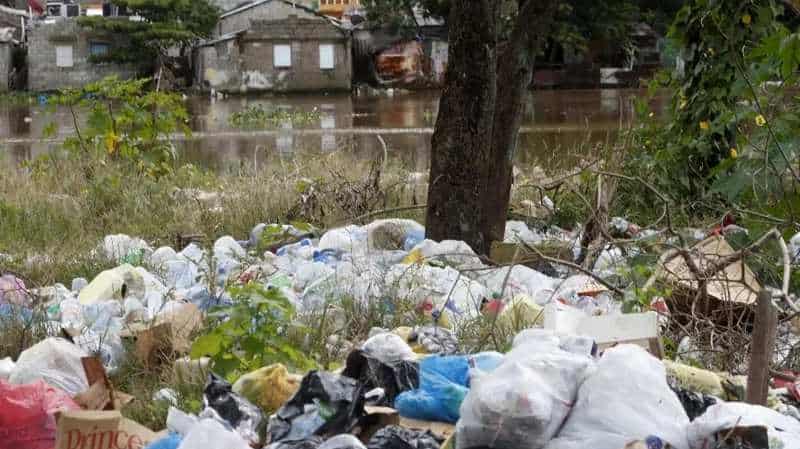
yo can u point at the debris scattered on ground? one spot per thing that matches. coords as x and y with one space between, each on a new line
578 372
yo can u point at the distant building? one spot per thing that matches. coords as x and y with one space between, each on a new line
59 53
274 45
337 8
387 58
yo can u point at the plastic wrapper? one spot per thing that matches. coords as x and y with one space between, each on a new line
27 414
326 404
309 443
783 431
435 340
55 361
268 387
525 400
209 433
239 413
396 437
443 385
13 291
392 377
344 441
626 399
694 403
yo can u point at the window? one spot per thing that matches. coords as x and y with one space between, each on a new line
98 48
64 56
282 56
326 57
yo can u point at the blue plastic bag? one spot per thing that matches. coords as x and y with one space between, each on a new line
169 442
443 383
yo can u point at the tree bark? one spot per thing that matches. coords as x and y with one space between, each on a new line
515 73
480 113
461 155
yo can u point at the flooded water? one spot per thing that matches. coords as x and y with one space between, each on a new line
556 122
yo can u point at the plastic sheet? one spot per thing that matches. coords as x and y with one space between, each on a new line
236 411
396 437
171 441
626 399
55 361
27 415
325 404
443 385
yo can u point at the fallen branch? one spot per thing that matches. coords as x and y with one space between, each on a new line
575 267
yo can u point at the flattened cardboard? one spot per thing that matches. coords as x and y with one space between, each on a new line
100 430
736 283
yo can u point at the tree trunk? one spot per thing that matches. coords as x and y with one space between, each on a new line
461 154
480 112
515 73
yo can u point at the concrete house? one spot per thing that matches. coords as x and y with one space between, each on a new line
59 53
277 46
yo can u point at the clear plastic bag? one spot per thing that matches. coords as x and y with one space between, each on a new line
524 401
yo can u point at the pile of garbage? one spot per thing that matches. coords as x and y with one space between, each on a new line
583 375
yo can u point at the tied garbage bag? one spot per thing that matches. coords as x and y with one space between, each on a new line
444 382
393 377
396 437
268 387
783 432
27 415
626 399
55 361
234 410
326 404
524 401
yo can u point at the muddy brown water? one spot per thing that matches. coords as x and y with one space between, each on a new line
558 126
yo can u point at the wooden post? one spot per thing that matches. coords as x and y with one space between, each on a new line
761 351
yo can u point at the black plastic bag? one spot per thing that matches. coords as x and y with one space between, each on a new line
326 404
396 437
394 378
240 414
310 443
695 404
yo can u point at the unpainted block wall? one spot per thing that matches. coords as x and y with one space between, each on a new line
44 75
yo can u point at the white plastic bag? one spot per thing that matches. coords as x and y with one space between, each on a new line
626 399
6 367
524 401
209 433
781 429
388 348
54 360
